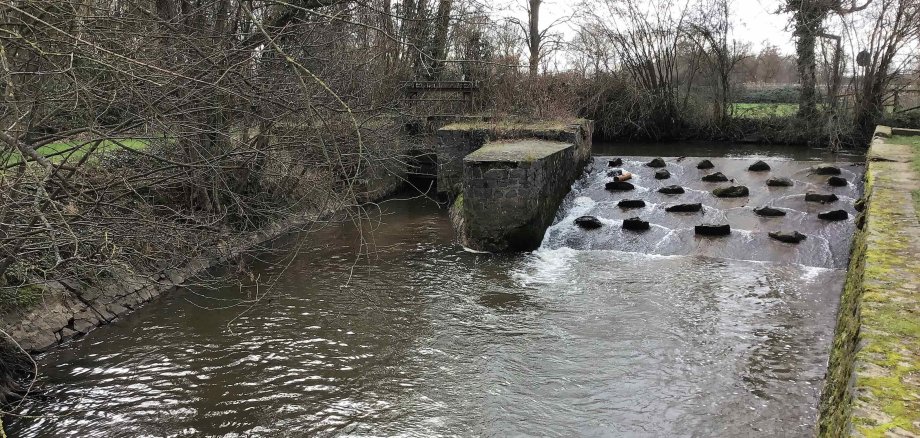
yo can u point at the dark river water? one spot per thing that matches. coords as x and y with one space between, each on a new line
600 333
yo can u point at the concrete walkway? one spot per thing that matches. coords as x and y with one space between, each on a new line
873 383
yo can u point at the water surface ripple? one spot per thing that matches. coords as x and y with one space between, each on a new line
588 336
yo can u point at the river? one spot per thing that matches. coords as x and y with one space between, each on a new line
604 334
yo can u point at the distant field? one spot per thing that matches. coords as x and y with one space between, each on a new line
764 110
73 151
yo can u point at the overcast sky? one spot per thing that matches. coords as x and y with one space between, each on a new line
755 21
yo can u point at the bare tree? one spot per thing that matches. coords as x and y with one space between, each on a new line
712 32
808 20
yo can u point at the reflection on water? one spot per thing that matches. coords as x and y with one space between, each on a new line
424 339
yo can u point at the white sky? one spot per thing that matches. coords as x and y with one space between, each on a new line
755 21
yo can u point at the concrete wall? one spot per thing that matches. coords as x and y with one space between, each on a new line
456 141
511 191
872 386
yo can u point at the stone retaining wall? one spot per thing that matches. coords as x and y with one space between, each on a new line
69 309
872 386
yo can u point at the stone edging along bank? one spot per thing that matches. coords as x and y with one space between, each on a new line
872 387
69 310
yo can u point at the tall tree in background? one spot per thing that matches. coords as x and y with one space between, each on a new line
894 26
712 33
534 36
808 19
437 52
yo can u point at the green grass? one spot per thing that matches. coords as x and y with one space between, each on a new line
914 142
73 151
764 110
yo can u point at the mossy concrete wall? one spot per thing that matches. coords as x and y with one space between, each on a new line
457 140
872 388
511 191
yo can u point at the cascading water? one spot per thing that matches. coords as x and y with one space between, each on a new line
826 245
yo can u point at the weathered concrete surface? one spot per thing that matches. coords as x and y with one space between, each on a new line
872 387
511 191
456 141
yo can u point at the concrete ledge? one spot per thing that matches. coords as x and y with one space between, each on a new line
511 191
456 141
872 387
882 131
905 132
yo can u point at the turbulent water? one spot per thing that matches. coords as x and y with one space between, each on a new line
598 333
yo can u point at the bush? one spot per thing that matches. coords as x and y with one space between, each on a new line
622 111
909 119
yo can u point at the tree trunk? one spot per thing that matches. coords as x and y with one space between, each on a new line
439 46
807 27
534 38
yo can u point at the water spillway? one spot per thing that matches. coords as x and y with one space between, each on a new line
672 233
597 333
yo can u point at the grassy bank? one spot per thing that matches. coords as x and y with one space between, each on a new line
73 150
914 142
763 110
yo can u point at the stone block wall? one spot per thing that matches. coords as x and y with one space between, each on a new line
457 140
511 193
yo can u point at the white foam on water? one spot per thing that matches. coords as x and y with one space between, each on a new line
811 273
545 266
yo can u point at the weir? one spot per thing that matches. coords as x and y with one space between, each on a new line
711 336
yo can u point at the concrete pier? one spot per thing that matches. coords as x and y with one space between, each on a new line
511 191
456 141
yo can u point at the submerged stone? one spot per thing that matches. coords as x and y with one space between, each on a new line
671 190
820 197
662 174
684 208
631 203
636 224
657 162
759 166
617 162
826 170
835 215
788 236
780 182
705 164
836 181
731 192
589 222
715 177
619 186
769 212
713 230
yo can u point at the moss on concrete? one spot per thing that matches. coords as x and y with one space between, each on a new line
458 203
873 382
516 150
914 142
513 125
